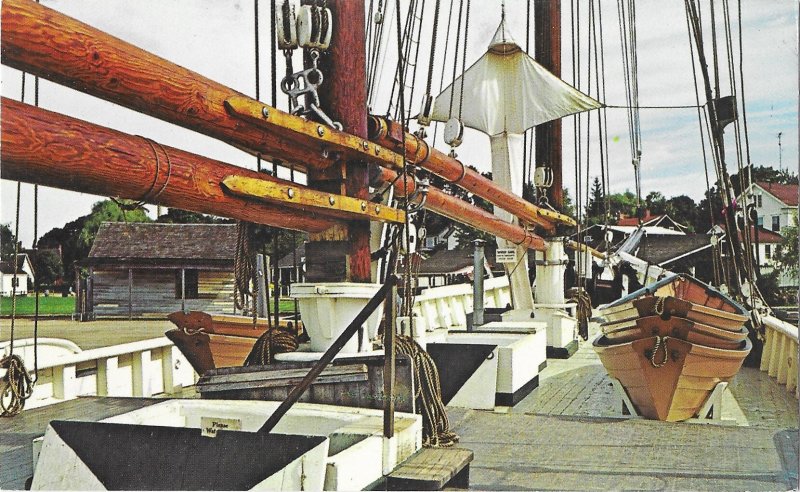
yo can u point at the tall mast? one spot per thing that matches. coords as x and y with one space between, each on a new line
547 51
343 254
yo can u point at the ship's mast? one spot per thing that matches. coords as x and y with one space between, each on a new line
342 253
547 51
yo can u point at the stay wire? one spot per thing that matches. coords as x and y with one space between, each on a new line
455 58
464 63
444 64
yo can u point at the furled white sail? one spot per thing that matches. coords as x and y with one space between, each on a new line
507 91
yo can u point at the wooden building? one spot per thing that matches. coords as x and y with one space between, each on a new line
150 269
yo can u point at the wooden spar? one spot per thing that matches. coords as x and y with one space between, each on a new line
343 96
46 43
51 149
390 134
302 197
585 248
547 43
465 213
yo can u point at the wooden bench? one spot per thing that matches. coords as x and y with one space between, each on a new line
432 469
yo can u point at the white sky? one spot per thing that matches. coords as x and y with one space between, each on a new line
215 39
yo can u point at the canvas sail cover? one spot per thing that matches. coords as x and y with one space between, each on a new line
507 91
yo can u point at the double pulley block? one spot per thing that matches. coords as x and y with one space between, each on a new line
308 27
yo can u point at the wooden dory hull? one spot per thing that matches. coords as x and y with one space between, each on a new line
681 328
681 308
209 351
211 341
708 305
677 390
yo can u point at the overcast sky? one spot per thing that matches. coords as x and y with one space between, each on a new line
215 39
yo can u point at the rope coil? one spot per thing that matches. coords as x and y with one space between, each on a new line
436 431
15 387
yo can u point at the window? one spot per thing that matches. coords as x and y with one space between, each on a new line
776 223
767 251
191 278
760 221
758 201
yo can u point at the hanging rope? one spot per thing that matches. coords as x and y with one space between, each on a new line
244 270
436 431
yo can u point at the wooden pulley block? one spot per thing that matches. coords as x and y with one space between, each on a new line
543 177
453 132
286 24
314 27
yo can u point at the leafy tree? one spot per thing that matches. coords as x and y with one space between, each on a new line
710 206
786 255
48 267
684 210
178 216
77 236
656 203
7 241
623 203
596 209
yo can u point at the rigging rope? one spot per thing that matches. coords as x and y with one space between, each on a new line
435 423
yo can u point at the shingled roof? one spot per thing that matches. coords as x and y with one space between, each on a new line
657 249
153 241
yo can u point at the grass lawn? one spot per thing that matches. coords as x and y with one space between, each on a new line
51 305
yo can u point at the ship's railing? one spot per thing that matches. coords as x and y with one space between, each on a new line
447 306
779 358
143 369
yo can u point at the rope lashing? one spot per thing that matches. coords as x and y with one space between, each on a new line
435 424
15 387
661 343
583 312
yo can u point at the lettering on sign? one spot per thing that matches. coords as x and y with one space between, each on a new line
506 255
210 425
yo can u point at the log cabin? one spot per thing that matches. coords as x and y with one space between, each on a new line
150 269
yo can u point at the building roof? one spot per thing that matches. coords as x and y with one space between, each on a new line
650 230
154 241
657 249
649 220
7 268
764 235
787 193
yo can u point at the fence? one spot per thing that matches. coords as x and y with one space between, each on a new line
779 358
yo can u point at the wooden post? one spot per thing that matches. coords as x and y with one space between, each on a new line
261 274
183 290
389 356
130 294
547 37
343 254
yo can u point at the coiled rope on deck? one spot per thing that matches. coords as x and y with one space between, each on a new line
435 424
272 342
16 385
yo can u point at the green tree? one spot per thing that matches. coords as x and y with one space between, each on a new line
683 210
656 203
623 203
48 267
178 216
7 241
77 236
786 255
596 209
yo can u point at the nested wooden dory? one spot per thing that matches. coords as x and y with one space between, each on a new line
683 296
667 378
673 326
210 341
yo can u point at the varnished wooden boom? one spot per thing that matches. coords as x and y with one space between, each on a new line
391 135
51 149
465 213
44 42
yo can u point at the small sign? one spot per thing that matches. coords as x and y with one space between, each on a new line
210 425
506 255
